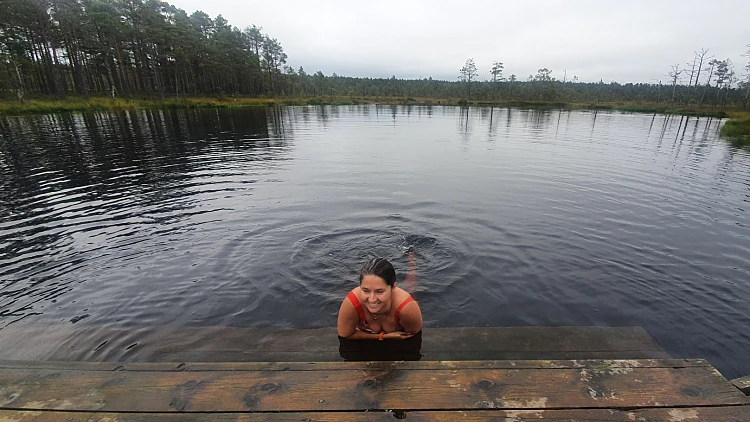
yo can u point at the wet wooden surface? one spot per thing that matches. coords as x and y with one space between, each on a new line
425 390
743 384
341 366
75 342
711 414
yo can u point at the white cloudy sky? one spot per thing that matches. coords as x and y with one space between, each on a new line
623 41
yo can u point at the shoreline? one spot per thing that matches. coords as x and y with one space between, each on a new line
736 129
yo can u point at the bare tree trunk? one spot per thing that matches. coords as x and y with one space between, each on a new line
192 78
658 93
708 83
142 84
701 57
675 75
159 84
84 74
59 79
48 65
110 77
19 92
122 73
692 70
726 97
718 94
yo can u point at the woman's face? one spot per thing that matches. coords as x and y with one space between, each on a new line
375 294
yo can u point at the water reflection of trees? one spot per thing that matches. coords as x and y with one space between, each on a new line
539 119
465 125
323 113
89 148
67 173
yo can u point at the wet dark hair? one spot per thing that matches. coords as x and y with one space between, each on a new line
381 268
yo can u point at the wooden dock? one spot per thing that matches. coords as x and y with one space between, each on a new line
68 342
586 388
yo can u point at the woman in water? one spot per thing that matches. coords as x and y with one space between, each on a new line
377 309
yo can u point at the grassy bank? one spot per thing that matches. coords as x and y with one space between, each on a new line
11 107
737 128
101 104
72 104
703 111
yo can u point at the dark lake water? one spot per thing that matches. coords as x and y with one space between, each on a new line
259 217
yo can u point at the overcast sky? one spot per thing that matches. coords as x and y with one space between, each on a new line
622 41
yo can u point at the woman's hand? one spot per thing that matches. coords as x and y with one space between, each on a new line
397 335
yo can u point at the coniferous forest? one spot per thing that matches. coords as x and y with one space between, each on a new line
151 49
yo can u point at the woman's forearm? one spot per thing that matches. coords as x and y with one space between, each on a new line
361 335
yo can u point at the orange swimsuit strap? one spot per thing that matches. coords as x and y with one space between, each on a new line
400 307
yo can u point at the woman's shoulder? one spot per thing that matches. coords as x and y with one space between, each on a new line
348 297
409 314
402 296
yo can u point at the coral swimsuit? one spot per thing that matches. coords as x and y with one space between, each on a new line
363 325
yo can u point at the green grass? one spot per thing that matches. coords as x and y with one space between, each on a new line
737 130
75 104
704 111
101 104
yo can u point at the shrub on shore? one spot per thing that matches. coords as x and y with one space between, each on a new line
737 130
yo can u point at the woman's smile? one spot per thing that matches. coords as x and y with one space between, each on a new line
375 294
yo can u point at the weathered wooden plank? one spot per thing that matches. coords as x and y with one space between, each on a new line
536 339
713 414
376 388
743 384
717 414
536 355
333 356
343 366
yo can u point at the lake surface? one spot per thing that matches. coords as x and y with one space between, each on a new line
259 217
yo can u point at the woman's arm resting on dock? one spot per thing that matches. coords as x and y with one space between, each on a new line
361 335
348 319
347 326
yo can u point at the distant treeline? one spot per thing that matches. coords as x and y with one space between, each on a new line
137 48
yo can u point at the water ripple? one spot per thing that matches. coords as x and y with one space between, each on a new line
262 218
